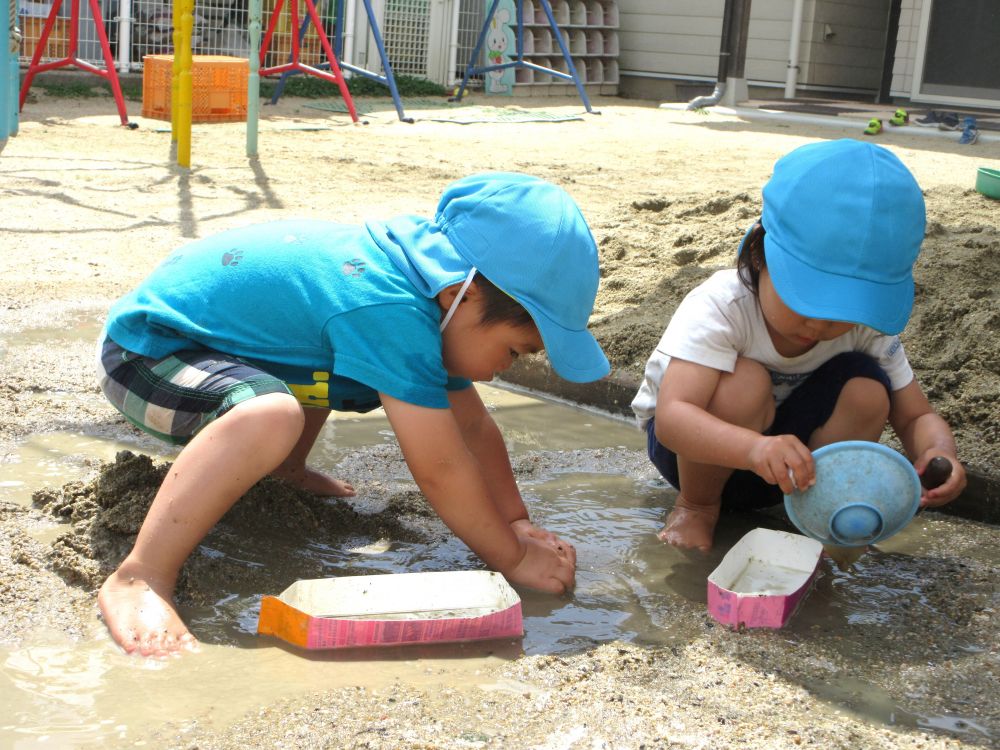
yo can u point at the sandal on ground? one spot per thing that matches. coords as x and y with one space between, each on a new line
899 117
874 126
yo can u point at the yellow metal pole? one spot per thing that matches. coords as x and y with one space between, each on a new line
185 85
175 70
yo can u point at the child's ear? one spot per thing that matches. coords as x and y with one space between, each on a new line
447 295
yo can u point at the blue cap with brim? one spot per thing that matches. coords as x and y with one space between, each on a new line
843 224
528 237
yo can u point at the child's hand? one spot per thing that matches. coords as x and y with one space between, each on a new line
946 491
783 460
546 566
525 529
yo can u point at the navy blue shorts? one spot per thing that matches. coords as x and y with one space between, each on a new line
807 408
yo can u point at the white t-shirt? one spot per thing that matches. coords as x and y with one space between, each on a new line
721 320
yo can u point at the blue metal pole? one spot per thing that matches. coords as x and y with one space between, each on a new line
390 79
569 60
520 62
470 68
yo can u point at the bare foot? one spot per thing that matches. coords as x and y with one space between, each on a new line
141 616
315 482
690 526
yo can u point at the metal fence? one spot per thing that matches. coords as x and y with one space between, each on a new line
136 28
468 25
406 28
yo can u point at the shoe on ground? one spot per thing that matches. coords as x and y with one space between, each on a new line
899 117
874 126
931 120
949 121
970 133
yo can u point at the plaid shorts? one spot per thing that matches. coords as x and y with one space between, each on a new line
174 397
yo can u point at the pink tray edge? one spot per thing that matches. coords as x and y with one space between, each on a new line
754 610
331 633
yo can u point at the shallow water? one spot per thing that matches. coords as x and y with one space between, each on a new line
630 587
60 694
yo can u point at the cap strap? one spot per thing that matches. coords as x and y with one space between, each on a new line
458 298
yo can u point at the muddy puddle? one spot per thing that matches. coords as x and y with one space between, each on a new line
583 475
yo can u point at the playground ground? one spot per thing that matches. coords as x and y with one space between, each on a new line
87 208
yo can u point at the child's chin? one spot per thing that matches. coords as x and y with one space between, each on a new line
475 377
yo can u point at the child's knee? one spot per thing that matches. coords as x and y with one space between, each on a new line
279 413
865 396
285 411
744 396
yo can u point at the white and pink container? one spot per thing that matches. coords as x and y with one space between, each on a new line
762 579
393 610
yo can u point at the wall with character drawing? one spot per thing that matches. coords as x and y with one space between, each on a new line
498 48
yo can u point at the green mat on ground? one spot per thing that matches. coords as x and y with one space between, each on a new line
461 114
473 114
365 107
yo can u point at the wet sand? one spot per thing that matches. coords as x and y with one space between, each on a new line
90 208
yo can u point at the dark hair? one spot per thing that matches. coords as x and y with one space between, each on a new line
500 307
751 260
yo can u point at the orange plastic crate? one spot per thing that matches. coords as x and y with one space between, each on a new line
219 87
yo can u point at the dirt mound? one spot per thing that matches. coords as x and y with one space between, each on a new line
106 514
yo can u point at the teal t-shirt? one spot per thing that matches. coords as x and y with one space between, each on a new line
315 303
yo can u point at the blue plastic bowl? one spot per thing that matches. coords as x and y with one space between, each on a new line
864 493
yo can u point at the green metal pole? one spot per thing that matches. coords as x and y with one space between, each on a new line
253 82
9 74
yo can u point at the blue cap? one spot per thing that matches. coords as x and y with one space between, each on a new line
528 237
843 224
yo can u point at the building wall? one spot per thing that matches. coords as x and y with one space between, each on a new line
846 43
681 38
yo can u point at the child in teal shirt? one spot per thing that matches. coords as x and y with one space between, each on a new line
239 345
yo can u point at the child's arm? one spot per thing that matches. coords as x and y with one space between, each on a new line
925 435
684 425
484 440
456 486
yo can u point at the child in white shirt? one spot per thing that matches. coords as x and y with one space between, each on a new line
798 346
